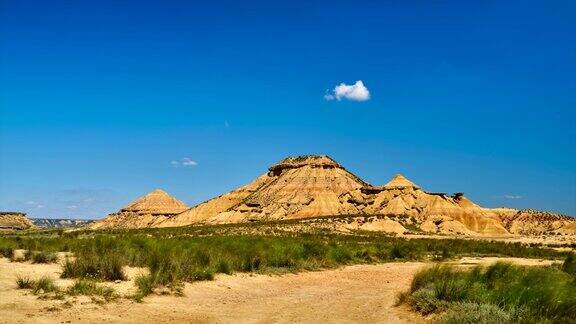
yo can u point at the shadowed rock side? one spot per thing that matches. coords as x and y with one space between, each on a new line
147 211
314 186
14 221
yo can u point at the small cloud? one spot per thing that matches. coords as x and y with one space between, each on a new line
512 196
188 162
354 92
71 207
185 162
39 206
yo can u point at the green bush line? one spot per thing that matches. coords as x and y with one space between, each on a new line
46 285
173 257
500 293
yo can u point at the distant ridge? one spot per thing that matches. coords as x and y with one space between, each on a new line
61 222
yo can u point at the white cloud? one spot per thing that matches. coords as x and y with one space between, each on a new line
512 196
185 162
355 92
188 162
71 206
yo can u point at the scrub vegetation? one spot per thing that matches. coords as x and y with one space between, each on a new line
500 293
178 255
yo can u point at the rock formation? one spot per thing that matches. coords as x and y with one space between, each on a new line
146 211
297 187
307 187
533 222
14 221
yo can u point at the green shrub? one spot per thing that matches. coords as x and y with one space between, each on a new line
569 265
44 285
90 288
472 313
7 252
105 267
43 257
520 293
426 302
202 275
24 282
224 266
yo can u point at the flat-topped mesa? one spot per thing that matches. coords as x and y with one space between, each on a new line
312 161
14 221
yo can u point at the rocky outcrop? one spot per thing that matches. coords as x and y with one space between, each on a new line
308 187
437 212
295 188
147 211
534 222
14 221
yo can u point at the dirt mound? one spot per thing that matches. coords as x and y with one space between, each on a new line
14 221
147 211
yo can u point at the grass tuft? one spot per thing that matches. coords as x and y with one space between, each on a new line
90 288
43 257
24 282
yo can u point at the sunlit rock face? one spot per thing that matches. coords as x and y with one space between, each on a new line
317 186
14 221
146 211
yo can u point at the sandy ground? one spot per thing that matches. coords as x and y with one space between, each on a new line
361 293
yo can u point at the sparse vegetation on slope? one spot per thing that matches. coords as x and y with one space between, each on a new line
501 293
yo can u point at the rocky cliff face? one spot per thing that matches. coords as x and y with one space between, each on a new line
314 186
147 211
14 221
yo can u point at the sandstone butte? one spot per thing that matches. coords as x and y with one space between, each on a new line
14 221
307 187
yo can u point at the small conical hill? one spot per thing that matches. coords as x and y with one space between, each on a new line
147 211
157 202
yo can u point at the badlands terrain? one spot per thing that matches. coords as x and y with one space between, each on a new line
317 187
307 241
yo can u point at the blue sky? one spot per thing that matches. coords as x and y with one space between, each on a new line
98 98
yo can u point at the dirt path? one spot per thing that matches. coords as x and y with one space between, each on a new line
361 293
